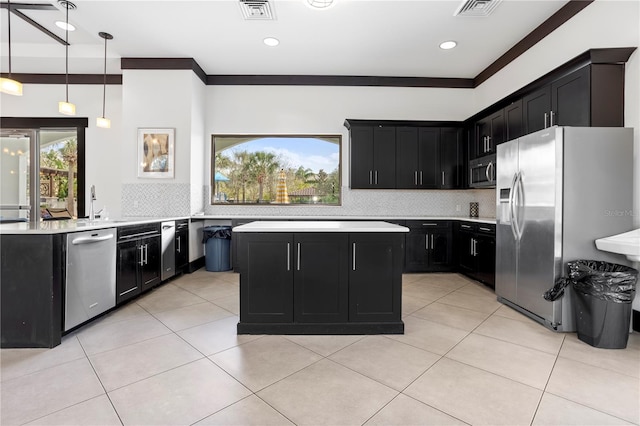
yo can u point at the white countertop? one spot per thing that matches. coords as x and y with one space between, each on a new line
76 225
320 226
344 218
627 244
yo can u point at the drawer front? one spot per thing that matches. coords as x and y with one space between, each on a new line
428 224
138 231
468 226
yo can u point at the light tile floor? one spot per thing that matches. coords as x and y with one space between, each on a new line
173 357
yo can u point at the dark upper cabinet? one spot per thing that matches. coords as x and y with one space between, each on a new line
428 158
489 134
451 158
535 108
373 151
513 121
589 96
407 161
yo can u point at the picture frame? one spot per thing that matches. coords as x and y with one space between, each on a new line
156 153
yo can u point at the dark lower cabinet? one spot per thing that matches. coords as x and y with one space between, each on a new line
320 277
429 246
266 281
375 277
320 283
138 260
182 245
476 251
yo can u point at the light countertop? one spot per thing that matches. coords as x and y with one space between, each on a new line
320 226
490 220
76 225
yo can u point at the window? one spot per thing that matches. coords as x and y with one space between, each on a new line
281 170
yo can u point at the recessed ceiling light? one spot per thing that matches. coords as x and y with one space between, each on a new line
271 41
320 4
446 45
63 25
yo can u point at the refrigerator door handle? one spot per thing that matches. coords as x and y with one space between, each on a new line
521 203
512 214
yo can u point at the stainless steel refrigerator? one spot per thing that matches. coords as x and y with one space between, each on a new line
557 190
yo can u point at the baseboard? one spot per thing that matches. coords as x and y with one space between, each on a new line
195 265
635 320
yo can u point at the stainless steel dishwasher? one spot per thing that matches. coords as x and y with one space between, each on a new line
168 239
90 275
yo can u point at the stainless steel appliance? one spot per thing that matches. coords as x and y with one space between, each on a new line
168 239
482 172
90 275
557 191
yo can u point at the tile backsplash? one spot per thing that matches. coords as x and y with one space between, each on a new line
156 199
375 203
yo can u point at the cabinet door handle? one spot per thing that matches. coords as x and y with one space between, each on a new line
465 226
429 224
178 240
420 177
442 178
370 177
551 118
146 254
298 266
485 229
415 177
354 256
376 177
141 248
426 241
546 116
475 252
471 247
431 241
288 256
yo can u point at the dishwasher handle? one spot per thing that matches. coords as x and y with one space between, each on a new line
89 240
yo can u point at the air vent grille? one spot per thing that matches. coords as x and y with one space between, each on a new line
256 10
476 7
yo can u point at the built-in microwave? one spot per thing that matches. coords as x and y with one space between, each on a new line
482 172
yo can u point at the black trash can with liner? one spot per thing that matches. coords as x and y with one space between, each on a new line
217 240
602 297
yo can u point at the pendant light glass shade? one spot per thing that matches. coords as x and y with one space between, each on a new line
104 122
65 107
7 84
10 86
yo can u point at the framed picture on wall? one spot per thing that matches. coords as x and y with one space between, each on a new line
156 153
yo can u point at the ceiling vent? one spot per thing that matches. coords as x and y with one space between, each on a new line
476 7
256 10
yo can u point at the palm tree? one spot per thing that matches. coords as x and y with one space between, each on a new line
69 154
262 165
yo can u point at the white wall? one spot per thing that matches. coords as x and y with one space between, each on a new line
103 158
322 110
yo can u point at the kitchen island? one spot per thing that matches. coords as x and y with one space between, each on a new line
320 277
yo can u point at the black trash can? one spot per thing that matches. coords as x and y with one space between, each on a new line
602 296
217 240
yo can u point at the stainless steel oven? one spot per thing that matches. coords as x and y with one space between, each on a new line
482 172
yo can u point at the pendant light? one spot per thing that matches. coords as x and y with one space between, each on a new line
9 85
65 107
104 122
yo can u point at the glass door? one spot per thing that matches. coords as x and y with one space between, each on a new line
38 171
16 197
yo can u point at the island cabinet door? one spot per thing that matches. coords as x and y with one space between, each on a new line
321 278
266 281
375 277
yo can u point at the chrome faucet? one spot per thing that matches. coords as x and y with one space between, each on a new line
92 214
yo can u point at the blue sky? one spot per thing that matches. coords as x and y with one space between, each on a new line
307 152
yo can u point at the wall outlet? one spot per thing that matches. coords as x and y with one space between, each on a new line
457 207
